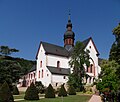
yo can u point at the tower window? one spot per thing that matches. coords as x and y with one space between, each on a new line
58 64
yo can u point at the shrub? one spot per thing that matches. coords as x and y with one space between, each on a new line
15 90
5 93
40 87
71 90
31 93
50 93
62 91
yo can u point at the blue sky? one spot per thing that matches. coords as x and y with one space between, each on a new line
24 23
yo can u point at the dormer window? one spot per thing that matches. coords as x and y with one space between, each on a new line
58 64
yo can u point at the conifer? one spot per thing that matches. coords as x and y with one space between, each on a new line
50 93
5 93
62 91
31 93
71 90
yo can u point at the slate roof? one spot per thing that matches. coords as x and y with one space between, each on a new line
61 51
85 42
59 71
55 49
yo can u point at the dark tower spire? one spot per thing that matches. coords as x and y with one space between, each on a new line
69 35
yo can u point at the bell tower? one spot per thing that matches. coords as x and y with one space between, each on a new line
69 36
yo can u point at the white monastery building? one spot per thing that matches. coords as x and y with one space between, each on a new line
52 61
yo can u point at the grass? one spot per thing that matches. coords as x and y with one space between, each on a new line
71 98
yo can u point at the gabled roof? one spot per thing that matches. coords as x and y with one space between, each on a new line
85 42
61 51
59 71
54 49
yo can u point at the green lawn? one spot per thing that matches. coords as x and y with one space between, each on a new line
72 98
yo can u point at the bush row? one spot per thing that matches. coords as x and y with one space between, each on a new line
32 92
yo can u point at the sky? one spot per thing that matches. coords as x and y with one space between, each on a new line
24 23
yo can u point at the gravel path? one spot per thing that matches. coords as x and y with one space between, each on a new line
95 98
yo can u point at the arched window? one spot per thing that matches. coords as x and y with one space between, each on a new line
31 76
58 64
42 73
39 74
40 64
34 75
91 68
87 69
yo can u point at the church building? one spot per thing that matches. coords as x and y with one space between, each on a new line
52 61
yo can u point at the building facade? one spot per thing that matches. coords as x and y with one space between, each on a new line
52 61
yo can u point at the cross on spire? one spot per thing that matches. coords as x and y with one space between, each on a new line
69 15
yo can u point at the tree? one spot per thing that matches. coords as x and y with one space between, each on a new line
5 93
40 87
62 91
115 49
31 93
15 90
5 50
50 93
108 75
9 71
71 90
79 58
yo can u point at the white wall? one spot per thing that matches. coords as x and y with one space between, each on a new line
93 55
52 61
46 79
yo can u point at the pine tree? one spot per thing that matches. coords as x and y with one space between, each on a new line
15 90
50 92
71 90
31 93
62 91
5 93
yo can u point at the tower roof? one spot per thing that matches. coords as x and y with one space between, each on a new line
69 33
69 24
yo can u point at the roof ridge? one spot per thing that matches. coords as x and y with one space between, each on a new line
52 44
